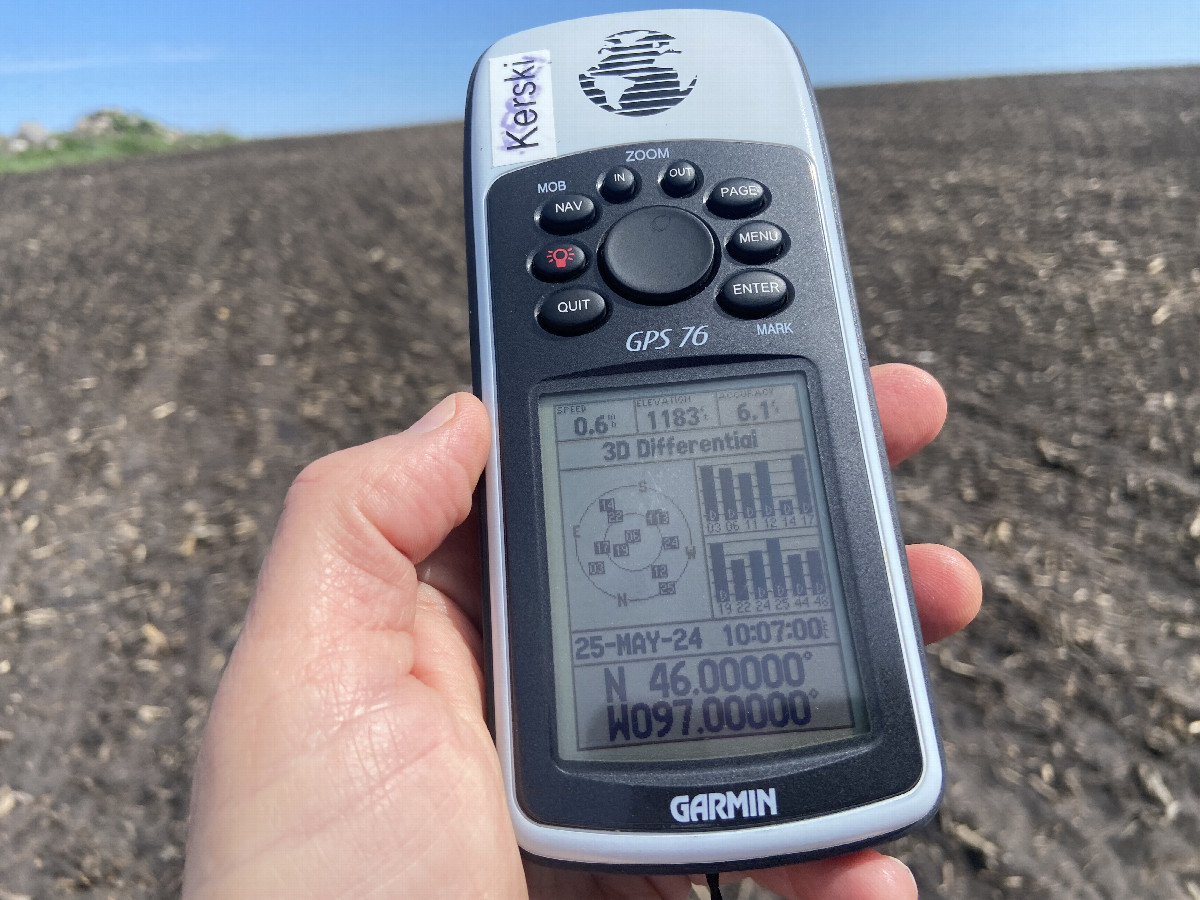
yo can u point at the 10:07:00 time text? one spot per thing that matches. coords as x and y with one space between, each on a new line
660 642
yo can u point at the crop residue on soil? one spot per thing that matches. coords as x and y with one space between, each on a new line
181 335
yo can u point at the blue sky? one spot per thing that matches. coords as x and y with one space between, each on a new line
269 67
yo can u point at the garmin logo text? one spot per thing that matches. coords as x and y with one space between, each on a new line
749 804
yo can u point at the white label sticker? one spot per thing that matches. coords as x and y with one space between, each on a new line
522 108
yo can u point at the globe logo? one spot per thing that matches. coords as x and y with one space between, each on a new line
636 75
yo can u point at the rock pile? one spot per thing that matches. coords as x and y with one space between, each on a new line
112 121
30 136
103 123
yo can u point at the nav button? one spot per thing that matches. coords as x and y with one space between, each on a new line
567 214
572 311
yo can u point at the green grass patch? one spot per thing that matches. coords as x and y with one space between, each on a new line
74 150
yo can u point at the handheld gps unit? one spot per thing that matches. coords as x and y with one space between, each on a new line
703 648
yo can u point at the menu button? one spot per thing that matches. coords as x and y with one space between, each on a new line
756 242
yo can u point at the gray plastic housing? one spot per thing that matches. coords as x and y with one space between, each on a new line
738 79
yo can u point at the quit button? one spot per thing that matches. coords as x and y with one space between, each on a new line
572 311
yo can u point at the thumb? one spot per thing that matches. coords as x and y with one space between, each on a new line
355 523
324 725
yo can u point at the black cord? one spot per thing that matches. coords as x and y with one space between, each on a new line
714 888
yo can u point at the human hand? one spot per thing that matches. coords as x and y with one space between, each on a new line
346 752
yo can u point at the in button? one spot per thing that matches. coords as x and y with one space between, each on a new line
619 184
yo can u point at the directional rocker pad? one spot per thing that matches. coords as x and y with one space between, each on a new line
658 254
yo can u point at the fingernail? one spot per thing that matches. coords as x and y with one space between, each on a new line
436 417
903 882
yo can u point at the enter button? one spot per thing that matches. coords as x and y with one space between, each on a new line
754 294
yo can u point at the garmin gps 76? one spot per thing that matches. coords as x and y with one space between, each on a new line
702 643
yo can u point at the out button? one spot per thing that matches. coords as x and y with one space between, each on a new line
680 178
572 311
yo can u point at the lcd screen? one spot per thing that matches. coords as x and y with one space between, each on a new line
696 606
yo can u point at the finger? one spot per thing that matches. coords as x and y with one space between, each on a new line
454 567
866 875
336 616
555 882
450 609
355 522
912 408
947 589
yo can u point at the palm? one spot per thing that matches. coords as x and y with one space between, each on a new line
440 575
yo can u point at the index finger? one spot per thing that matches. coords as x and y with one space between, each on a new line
912 408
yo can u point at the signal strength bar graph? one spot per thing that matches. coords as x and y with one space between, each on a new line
744 491
775 568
